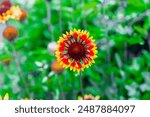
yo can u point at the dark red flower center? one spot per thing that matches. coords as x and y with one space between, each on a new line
77 51
4 6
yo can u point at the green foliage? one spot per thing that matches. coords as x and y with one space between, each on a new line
121 29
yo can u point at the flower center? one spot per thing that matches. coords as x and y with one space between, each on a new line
3 9
4 6
77 51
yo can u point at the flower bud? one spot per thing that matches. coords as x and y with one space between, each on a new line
10 33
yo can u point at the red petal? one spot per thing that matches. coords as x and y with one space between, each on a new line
79 65
85 61
61 49
90 47
89 58
88 41
68 36
91 53
75 35
62 43
83 37
73 64
65 61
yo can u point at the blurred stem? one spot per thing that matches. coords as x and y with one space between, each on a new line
60 17
125 51
61 88
19 68
49 19
73 21
81 85
84 18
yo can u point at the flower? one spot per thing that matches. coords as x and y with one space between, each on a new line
89 97
10 33
56 67
7 11
6 97
51 47
76 50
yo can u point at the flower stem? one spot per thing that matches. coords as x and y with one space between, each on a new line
84 17
19 68
60 17
49 19
60 88
81 85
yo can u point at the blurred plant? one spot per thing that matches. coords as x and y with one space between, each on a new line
121 30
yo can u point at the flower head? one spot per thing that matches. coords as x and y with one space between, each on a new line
89 97
7 11
76 50
6 97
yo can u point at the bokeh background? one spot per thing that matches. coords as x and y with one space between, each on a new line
121 29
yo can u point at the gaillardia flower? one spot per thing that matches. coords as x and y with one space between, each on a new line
7 11
89 97
76 49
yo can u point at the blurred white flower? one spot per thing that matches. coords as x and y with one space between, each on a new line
51 47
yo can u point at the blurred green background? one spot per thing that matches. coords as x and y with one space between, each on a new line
121 29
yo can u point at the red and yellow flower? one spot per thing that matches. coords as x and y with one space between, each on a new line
76 49
89 97
8 11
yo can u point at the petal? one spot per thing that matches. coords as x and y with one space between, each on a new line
79 65
73 64
65 61
83 37
75 35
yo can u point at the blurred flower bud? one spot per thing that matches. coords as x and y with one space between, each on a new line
7 61
56 67
10 33
51 47
23 15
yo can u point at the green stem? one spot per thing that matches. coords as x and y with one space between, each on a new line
81 85
61 88
49 19
19 69
60 17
